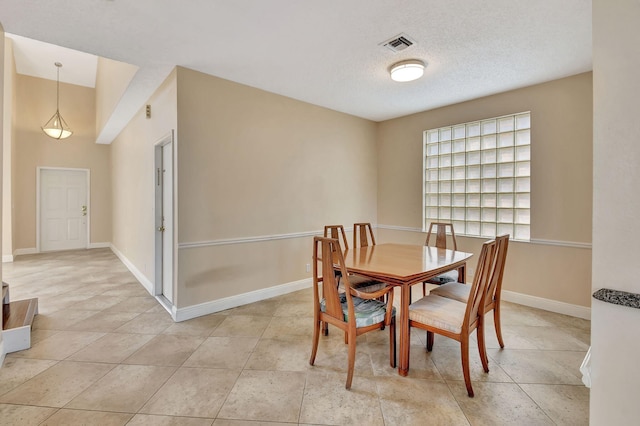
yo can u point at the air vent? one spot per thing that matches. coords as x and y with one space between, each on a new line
398 43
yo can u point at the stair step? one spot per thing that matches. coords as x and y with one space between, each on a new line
19 313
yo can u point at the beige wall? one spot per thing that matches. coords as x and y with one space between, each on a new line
35 105
112 80
615 331
251 164
561 182
133 183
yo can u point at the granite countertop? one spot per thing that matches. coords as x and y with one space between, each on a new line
617 297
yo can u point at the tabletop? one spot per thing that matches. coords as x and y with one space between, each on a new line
402 263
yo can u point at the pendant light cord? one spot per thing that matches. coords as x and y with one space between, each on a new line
58 90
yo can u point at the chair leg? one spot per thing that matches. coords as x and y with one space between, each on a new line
314 344
482 347
392 342
424 289
496 320
352 359
464 348
325 329
430 337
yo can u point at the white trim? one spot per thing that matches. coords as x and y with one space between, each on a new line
99 245
547 304
20 252
7 258
38 196
166 305
399 228
572 244
189 312
168 139
561 243
33 250
255 239
148 285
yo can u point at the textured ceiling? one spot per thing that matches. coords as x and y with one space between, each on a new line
324 52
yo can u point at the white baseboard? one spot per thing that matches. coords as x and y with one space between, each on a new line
142 279
2 352
19 252
547 304
189 312
213 306
33 250
99 245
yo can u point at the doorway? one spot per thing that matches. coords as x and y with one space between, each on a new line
62 209
164 221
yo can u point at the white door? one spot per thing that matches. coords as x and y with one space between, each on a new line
167 222
164 218
63 209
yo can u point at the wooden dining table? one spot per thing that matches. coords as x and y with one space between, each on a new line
403 265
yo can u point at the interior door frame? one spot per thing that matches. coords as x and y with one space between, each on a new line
39 196
158 283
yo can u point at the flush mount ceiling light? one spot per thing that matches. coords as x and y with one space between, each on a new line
56 127
409 70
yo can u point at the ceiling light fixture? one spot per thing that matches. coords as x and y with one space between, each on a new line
409 70
56 127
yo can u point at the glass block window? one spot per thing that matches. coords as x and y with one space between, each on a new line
478 176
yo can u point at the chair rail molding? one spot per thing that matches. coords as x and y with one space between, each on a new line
573 244
252 239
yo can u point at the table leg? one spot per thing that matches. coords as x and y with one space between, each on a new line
405 296
462 274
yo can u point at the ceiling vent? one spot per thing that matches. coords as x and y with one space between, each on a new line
398 43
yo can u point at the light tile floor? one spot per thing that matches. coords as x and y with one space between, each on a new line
104 352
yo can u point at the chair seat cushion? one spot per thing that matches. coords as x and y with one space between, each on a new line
455 291
439 312
447 277
368 311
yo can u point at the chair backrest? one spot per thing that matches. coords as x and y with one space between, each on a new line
480 283
363 234
337 232
494 287
326 254
441 235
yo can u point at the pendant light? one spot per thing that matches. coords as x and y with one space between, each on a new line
56 127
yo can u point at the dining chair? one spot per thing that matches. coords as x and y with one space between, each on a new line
460 291
364 284
363 235
457 320
361 283
353 311
441 229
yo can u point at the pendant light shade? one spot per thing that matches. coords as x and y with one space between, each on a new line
56 127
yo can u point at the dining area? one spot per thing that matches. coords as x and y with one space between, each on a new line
354 291
251 363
